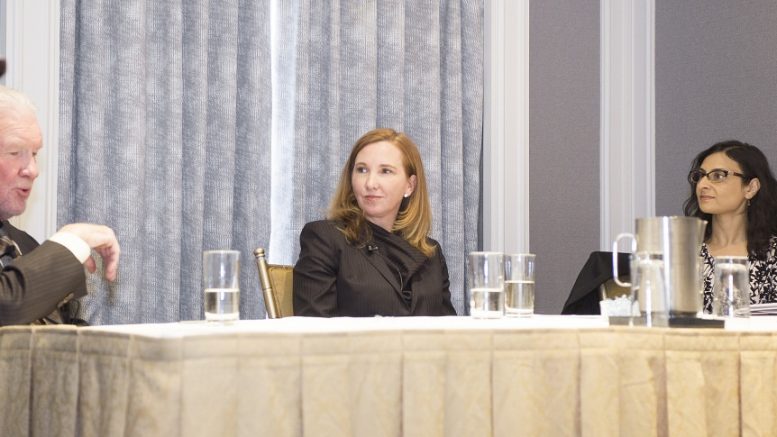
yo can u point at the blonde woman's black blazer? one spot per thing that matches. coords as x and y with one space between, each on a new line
335 278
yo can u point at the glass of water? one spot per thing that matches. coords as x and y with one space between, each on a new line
519 284
485 281
220 276
731 287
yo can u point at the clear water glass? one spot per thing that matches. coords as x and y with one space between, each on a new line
731 287
519 284
220 278
485 282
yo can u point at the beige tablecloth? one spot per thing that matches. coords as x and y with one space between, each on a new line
545 376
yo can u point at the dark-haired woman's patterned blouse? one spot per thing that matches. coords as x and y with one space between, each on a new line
763 276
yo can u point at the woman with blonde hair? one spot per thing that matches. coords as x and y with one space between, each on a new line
373 256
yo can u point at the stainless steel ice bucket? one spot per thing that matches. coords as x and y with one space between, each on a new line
666 248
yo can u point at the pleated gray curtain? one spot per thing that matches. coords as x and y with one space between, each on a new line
192 125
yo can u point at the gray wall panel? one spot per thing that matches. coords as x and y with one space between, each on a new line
716 79
564 143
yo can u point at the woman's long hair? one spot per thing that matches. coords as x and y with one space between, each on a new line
415 213
762 211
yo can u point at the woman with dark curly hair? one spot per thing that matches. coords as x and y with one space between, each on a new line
734 190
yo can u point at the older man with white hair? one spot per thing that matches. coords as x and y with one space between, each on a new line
38 281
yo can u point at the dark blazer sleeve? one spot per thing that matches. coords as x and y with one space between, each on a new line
36 282
315 273
447 306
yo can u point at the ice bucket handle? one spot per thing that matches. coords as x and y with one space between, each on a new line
615 256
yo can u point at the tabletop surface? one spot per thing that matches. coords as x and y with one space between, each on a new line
302 325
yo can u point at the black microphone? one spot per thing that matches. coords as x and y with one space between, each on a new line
371 248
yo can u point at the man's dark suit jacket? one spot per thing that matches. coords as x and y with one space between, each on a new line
335 278
35 283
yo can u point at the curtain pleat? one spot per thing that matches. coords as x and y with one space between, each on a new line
253 127
194 125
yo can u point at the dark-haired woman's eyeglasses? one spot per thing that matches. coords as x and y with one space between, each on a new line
715 175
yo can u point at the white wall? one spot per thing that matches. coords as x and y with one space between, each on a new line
506 127
2 34
2 30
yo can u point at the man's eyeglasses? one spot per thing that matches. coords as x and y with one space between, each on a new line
715 176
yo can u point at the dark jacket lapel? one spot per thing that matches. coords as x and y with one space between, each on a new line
379 262
395 259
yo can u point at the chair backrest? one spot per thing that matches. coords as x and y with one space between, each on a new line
277 286
282 277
